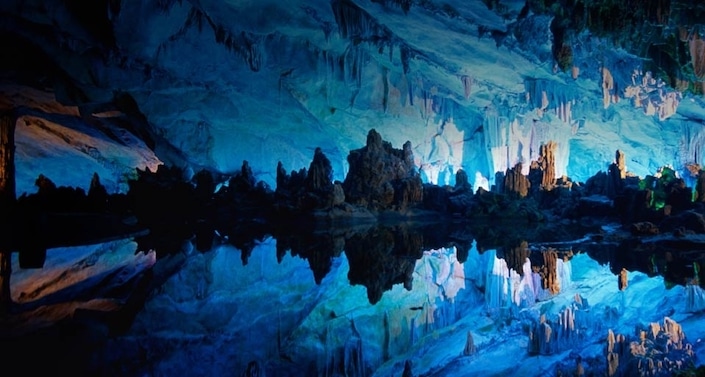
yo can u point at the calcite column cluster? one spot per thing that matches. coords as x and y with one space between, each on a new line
515 282
549 271
516 183
555 335
660 349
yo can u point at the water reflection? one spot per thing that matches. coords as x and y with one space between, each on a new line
383 255
345 300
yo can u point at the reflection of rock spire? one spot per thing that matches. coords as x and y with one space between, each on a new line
660 350
549 275
470 348
381 258
623 280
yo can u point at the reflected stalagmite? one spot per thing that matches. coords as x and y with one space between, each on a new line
623 279
549 272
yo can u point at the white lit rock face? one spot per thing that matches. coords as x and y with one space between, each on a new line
468 86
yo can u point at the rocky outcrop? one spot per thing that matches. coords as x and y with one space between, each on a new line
470 348
700 187
617 171
542 172
320 173
381 177
657 350
549 272
456 200
308 190
516 183
552 335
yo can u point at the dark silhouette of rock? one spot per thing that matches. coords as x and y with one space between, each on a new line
700 187
644 228
244 180
462 183
408 372
97 194
687 221
382 257
308 190
616 172
320 173
678 195
205 185
436 198
381 177
515 256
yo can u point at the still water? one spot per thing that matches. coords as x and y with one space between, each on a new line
447 299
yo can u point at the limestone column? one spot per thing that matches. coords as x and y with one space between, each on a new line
7 201
548 164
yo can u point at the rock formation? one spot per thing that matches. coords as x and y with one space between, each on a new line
617 171
658 350
381 177
470 348
516 183
544 168
623 279
549 271
381 258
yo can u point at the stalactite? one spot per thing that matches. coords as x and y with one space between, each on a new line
253 50
467 85
352 63
385 89
353 22
405 54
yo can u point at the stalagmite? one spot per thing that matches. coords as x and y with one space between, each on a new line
550 276
659 349
547 162
515 182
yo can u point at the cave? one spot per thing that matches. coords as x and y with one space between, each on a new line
352 187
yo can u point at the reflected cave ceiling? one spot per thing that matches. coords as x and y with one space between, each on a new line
478 85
